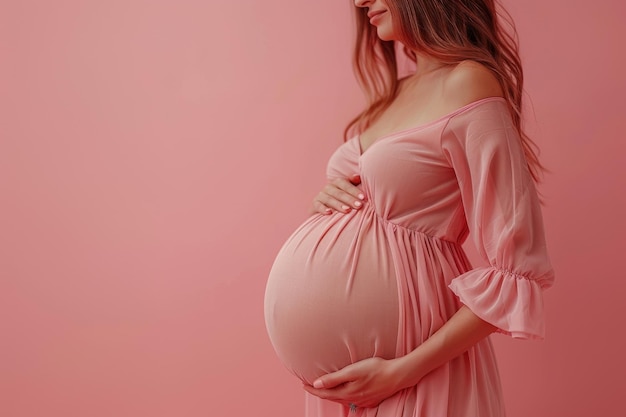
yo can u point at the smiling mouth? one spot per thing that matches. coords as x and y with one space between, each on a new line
372 15
376 16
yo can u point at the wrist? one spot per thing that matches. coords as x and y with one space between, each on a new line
407 371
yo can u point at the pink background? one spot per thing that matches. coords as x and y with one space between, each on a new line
154 155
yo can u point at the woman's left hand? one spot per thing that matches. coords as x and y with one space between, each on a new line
365 383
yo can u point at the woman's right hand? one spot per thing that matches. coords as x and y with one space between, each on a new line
339 195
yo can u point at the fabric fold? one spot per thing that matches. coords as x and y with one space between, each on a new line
511 302
503 214
381 280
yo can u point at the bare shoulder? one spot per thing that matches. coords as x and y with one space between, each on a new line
470 81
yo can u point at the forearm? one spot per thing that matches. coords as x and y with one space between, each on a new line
458 334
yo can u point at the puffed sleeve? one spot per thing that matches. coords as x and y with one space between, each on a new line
503 214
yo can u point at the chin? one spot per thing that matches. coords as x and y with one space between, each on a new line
385 34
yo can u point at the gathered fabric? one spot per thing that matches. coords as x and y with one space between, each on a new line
380 280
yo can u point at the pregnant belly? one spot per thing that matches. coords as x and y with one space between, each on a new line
331 297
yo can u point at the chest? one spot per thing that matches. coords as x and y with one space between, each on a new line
414 106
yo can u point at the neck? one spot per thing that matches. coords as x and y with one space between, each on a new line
426 65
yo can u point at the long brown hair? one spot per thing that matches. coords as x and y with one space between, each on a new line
450 31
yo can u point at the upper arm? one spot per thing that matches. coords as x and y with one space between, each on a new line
468 82
503 214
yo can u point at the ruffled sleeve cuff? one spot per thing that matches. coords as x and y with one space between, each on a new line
511 302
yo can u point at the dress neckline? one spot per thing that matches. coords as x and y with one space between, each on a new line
424 125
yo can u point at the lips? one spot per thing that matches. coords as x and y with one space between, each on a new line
373 13
375 16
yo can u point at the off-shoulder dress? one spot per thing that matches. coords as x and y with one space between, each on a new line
380 280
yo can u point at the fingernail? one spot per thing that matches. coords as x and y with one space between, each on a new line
361 196
328 211
358 203
345 208
318 384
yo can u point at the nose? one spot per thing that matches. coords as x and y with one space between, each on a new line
362 3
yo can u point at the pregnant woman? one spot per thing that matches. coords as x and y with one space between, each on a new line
372 302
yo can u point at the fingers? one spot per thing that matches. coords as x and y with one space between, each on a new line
346 394
335 379
349 188
364 383
339 199
331 395
321 208
340 195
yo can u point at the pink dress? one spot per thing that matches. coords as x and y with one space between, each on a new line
380 280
